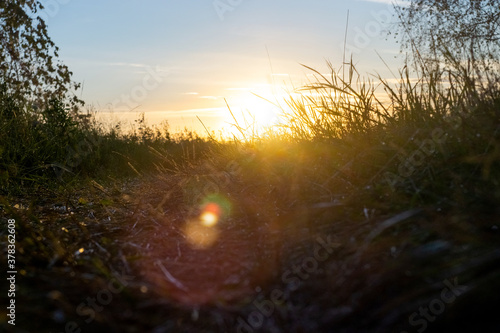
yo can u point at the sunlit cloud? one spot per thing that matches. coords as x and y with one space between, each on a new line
205 112
191 93
209 97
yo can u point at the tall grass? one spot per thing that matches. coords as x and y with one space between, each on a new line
56 145
427 137
334 106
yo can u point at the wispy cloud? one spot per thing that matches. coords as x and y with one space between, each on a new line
205 112
191 93
175 113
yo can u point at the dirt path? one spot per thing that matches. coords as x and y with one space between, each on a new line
186 271
190 260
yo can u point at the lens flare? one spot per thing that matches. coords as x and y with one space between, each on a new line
209 219
200 236
202 232
210 215
212 207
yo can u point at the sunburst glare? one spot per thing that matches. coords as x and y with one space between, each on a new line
255 111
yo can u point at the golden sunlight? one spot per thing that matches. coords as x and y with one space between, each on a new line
256 110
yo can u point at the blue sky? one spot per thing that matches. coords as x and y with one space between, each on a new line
179 59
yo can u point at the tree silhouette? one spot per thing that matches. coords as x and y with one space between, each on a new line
29 69
467 29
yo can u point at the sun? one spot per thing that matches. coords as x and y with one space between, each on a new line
255 113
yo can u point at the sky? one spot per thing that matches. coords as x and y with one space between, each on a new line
180 60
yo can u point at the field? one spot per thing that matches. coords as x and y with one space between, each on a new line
356 216
373 206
